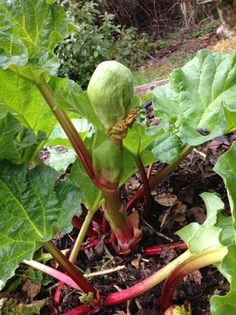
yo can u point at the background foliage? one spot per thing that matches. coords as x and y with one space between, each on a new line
96 39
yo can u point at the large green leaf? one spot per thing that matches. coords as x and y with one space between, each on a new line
29 33
91 196
24 100
33 209
139 137
226 305
167 147
17 144
70 97
202 237
199 97
226 168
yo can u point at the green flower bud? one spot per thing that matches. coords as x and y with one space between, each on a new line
110 92
108 161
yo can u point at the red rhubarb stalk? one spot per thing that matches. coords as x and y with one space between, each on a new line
157 179
68 127
146 187
53 273
70 269
186 267
80 310
157 249
148 283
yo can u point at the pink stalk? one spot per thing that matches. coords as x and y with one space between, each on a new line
157 179
148 283
53 272
146 187
68 127
157 249
80 310
57 295
186 267
70 269
94 244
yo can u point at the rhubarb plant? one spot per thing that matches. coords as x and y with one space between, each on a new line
213 242
107 140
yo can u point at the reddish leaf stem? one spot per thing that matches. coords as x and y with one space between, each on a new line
157 249
70 269
157 179
80 310
53 273
146 187
186 267
68 127
118 219
146 284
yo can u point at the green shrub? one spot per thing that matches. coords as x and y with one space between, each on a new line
97 39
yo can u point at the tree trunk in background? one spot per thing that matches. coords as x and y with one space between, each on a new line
227 13
189 11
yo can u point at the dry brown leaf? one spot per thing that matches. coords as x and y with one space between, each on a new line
167 200
31 288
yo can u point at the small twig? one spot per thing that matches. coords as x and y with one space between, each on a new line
128 308
158 233
149 171
164 219
117 288
200 153
104 272
139 306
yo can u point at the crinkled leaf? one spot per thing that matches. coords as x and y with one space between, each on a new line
230 114
202 237
227 304
17 144
12 51
214 206
167 148
24 100
91 196
197 95
227 229
226 168
139 138
70 97
30 31
33 210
